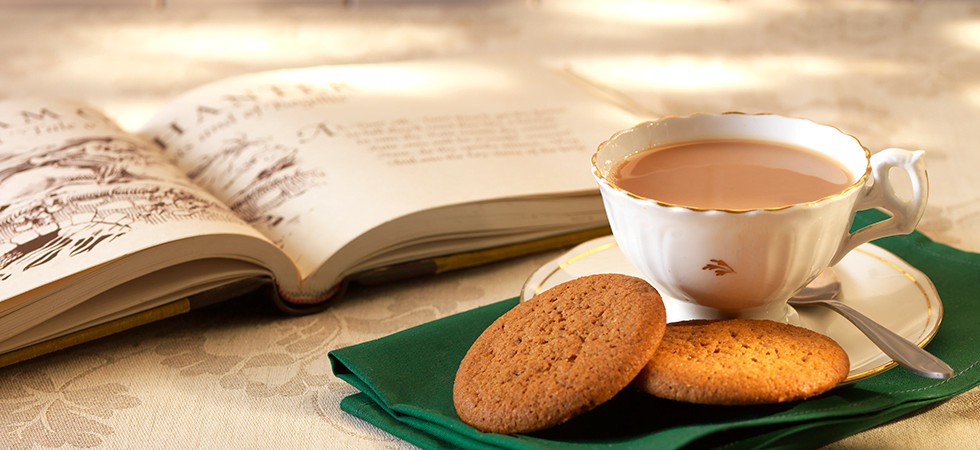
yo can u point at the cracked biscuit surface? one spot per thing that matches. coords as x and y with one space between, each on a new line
559 354
742 362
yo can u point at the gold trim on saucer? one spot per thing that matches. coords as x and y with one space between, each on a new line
600 248
929 334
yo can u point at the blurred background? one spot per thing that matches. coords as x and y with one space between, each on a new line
896 73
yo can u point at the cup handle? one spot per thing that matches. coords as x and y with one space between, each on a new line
881 193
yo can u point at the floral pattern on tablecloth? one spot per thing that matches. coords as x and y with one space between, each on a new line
278 365
38 411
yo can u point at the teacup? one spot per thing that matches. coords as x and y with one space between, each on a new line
728 262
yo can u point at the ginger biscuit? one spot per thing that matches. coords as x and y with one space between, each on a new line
742 362
559 354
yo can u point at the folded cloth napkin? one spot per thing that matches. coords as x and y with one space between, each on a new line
406 383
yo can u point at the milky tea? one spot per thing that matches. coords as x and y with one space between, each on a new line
731 174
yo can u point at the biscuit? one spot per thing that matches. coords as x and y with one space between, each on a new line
559 354
742 362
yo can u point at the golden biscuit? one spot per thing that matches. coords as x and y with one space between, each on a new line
559 354
741 362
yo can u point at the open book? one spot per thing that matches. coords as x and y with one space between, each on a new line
306 178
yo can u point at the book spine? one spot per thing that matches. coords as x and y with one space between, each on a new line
295 304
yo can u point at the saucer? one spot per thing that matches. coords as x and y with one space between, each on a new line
874 282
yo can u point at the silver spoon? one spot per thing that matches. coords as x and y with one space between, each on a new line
823 289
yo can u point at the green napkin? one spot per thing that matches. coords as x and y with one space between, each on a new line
406 382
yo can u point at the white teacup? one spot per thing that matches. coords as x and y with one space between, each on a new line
748 263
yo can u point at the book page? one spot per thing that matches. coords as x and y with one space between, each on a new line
316 157
77 192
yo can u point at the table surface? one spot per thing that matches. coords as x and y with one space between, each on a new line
893 73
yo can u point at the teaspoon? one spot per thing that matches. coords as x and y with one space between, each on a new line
823 289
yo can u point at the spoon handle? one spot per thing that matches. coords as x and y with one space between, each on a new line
905 353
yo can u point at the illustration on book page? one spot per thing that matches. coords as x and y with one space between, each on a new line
254 176
60 201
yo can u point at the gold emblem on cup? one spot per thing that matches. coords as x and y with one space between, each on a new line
719 266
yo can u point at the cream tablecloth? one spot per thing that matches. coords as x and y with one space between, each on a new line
893 73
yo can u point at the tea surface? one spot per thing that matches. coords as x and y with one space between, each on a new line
731 174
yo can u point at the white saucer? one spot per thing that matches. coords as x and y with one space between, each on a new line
874 281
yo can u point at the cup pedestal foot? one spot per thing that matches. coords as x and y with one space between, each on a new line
680 310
